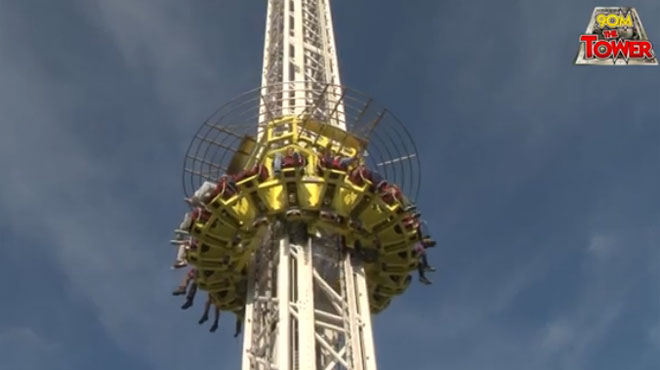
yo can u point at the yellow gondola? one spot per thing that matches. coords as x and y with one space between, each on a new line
230 235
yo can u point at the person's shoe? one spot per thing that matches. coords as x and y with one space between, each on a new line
429 268
178 241
179 291
181 231
187 305
409 208
410 223
428 242
425 280
214 328
179 265
204 318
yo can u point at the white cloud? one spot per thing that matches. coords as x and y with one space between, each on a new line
160 41
602 246
100 234
60 196
556 336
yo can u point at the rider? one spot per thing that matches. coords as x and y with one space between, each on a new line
205 316
189 219
390 193
423 264
183 287
291 159
184 247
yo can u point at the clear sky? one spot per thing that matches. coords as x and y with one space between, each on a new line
541 180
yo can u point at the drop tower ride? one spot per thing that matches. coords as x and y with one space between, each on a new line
310 224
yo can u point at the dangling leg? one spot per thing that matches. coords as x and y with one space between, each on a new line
185 225
425 263
206 191
201 195
420 270
183 287
239 326
215 320
181 257
207 306
190 297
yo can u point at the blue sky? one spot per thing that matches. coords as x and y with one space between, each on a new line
541 179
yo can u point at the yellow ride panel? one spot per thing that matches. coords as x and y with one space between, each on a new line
372 215
244 210
273 196
222 265
309 193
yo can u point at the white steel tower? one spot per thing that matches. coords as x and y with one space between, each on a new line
300 56
305 320
308 231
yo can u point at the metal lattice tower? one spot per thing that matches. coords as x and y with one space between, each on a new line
280 249
300 57
305 320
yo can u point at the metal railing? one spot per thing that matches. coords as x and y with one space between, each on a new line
391 150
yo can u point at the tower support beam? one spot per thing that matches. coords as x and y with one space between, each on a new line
308 306
319 304
300 59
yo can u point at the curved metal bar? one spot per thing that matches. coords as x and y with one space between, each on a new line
389 141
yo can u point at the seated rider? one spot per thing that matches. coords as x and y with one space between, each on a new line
226 187
327 160
197 214
203 195
411 221
390 193
424 238
209 190
342 163
361 173
423 264
291 159
326 157
259 169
